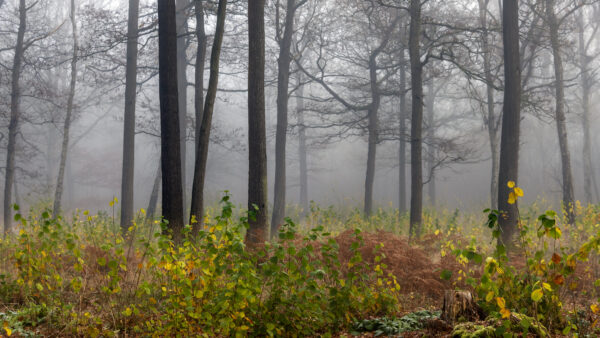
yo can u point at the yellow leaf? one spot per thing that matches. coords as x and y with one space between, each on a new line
547 286
505 313
594 308
519 192
501 302
537 295
8 331
511 184
489 296
512 198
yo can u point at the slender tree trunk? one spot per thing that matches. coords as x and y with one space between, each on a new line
172 196
181 7
283 79
585 105
402 139
511 118
199 69
15 114
197 206
567 188
430 104
491 120
16 185
127 176
373 129
257 145
302 154
65 142
152 203
416 141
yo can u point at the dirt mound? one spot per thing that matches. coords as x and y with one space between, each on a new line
414 269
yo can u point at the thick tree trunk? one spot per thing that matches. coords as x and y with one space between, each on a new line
127 176
13 126
491 121
373 129
302 153
257 144
283 79
509 148
430 104
181 18
67 126
585 112
402 140
561 126
172 196
197 206
416 141
152 203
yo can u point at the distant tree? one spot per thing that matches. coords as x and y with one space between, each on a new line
127 177
68 116
511 118
172 196
197 206
257 148
402 116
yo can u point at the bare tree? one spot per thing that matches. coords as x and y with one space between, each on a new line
403 114
127 177
172 196
257 145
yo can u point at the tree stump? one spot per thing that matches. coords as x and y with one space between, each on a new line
459 306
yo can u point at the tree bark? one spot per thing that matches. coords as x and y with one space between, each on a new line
199 70
491 121
416 141
172 196
127 176
302 153
584 61
197 206
561 126
283 79
430 104
257 144
181 18
152 203
15 114
511 118
67 126
373 130
402 140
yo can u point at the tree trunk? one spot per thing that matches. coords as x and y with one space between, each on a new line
197 206
565 156
172 196
402 139
588 173
511 118
491 122
181 18
283 79
199 70
373 129
257 144
151 210
460 306
15 114
65 142
302 155
127 176
416 141
430 104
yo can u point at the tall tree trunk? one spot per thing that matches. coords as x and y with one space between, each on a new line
172 196
197 206
373 129
565 156
15 114
181 18
585 105
199 69
152 203
416 141
491 121
67 126
127 176
402 140
511 118
430 104
257 145
302 154
283 79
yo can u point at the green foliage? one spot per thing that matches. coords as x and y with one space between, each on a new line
386 326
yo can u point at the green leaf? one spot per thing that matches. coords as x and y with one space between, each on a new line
446 274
